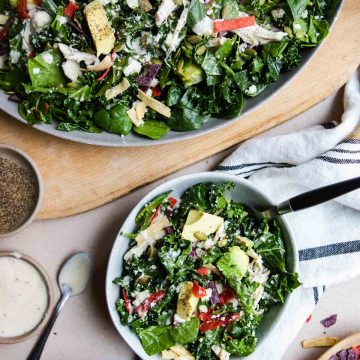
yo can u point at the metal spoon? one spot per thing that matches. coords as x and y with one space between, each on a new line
73 279
309 198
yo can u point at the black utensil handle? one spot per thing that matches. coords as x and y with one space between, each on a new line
323 194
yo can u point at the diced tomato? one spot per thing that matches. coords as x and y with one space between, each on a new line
3 33
70 9
22 10
156 213
37 2
233 24
198 291
211 325
104 74
214 324
206 316
126 300
308 319
156 91
203 271
226 296
153 299
356 349
172 201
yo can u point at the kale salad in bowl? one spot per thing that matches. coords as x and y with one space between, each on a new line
144 68
194 275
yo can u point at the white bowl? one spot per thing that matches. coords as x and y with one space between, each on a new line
244 192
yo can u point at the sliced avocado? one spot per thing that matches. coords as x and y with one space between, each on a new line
200 222
234 263
187 302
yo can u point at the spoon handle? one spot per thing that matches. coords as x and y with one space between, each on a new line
318 196
39 346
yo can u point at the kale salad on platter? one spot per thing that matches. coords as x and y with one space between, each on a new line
200 274
148 66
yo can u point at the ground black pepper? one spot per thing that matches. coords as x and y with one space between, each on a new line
18 195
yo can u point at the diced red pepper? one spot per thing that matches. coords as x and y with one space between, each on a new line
227 296
233 24
126 300
153 299
104 74
203 271
3 33
156 213
156 91
308 319
198 291
206 316
211 325
70 9
172 201
214 324
22 10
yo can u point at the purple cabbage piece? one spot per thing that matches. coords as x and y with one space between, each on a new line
342 355
329 321
352 355
169 230
144 81
215 298
192 253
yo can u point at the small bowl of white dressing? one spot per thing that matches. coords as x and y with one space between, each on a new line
25 297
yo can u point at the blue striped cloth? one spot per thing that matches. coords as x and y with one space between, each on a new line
327 236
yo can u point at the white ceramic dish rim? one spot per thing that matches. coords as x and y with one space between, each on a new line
115 256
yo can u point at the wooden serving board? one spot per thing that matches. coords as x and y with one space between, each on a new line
81 177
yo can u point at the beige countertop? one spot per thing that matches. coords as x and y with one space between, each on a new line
84 330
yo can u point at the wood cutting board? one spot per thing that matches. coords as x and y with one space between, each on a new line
81 177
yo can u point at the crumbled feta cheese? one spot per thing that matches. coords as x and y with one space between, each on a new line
154 82
251 90
204 27
153 267
165 9
40 20
140 297
221 353
47 57
242 47
126 280
304 14
62 20
132 67
36 71
71 70
203 308
133 4
178 319
14 56
278 13
208 295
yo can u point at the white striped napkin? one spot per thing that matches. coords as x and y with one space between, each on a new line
327 236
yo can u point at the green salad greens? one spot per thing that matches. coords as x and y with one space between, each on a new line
200 274
148 66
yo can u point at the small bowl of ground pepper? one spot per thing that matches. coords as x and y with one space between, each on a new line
21 190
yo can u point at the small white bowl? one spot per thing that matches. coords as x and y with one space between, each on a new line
244 192
23 160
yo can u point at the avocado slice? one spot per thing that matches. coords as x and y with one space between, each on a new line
234 263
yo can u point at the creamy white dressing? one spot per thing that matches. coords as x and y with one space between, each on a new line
23 297
75 273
